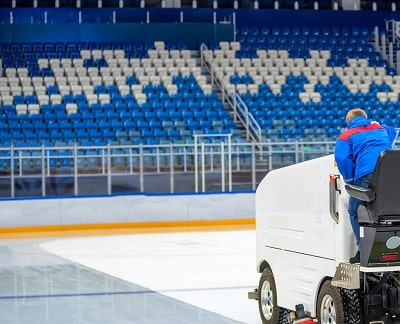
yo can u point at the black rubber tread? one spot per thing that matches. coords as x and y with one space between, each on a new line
284 316
351 301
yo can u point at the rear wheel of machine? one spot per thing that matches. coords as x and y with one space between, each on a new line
351 299
338 306
270 312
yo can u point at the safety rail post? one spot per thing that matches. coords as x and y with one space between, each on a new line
383 48
12 177
130 160
398 61
253 167
103 165
302 152
237 151
171 169
234 26
185 157
222 166
235 110
20 163
109 190
43 158
75 170
230 162
203 168
158 159
141 168
376 38
269 155
196 165
48 162
247 121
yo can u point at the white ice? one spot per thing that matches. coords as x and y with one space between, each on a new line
210 270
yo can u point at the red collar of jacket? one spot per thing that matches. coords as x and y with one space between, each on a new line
345 135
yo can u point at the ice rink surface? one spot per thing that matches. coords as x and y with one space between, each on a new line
210 270
202 277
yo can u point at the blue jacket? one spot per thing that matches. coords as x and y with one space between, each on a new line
358 148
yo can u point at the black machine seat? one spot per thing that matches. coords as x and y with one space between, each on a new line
382 198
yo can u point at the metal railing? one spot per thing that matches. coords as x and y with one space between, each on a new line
388 43
252 127
240 110
204 165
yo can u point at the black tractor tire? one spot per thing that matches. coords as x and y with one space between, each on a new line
270 312
338 306
353 313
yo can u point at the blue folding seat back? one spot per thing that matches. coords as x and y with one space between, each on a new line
31 99
117 125
80 99
68 135
90 124
68 98
94 134
160 133
193 124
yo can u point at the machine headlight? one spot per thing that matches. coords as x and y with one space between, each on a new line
393 242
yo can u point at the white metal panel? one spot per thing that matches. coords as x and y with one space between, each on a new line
296 234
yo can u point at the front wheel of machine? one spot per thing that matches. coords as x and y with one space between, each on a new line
267 303
330 306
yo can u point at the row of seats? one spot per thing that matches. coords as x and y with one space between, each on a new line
273 73
310 92
340 32
119 75
79 102
87 54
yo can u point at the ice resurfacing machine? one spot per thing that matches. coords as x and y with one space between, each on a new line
304 241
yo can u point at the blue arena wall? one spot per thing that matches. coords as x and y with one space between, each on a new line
241 17
124 32
169 24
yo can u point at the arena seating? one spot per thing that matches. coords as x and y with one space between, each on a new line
300 82
99 93
297 82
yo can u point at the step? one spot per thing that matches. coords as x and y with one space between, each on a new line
347 276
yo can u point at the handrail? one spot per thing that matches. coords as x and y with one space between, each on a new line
240 110
391 44
247 118
242 113
223 164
